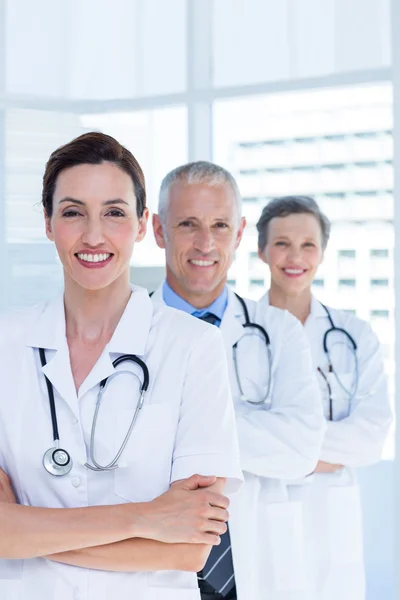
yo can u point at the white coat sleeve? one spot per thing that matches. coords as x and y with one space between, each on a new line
283 440
206 440
357 440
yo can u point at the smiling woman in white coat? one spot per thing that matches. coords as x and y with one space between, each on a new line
112 473
293 234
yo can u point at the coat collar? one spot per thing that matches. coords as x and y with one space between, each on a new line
231 324
130 337
317 310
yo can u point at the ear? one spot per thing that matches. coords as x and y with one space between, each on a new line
262 255
143 225
49 231
240 232
158 230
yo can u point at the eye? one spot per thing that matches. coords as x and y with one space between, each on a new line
115 212
310 244
186 224
281 243
221 225
71 212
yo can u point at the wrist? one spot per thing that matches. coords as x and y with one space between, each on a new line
138 515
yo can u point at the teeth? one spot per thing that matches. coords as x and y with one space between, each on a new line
202 263
294 271
93 257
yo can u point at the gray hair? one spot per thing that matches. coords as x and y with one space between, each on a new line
197 172
291 205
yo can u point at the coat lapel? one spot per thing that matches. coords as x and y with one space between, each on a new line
48 332
231 326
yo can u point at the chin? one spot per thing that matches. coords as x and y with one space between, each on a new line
92 284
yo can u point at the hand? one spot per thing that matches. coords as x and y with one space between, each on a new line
6 492
187 513
324 467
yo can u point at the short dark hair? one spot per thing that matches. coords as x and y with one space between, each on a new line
92 148
291 205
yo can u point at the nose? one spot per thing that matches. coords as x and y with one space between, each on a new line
93 233
204 241
294 253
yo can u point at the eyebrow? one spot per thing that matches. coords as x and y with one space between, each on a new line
81 203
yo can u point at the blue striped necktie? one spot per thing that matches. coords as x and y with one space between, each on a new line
210 318
218 571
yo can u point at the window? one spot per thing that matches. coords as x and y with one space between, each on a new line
318 283
348 283
350 311
379 253
231 282
379 313
379 283
346 253
257 282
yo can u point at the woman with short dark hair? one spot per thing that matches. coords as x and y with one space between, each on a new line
293 235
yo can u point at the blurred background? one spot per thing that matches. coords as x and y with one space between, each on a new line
292 96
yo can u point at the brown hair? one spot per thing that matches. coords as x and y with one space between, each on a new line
92 148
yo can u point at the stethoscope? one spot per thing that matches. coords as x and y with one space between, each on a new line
248 324
57 461
351 393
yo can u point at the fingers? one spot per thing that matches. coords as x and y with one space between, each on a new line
199 481
209 538
194 482
217 500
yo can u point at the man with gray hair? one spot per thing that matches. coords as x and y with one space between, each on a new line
279 417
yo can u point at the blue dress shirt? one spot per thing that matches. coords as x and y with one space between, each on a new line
217 308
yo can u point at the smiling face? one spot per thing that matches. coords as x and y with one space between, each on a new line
94 224
293 252
200 237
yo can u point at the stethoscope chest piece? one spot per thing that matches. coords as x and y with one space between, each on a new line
57 461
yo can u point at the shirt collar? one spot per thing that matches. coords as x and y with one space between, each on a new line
218 307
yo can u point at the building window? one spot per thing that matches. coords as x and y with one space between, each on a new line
379 253
346 253
318 283
347 283
231 282
379 283
380 314
257 282
349 311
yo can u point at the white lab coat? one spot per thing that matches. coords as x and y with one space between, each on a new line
333 543
279 441
186 426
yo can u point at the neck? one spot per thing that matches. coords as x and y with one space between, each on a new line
92 316
196 299
297 304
